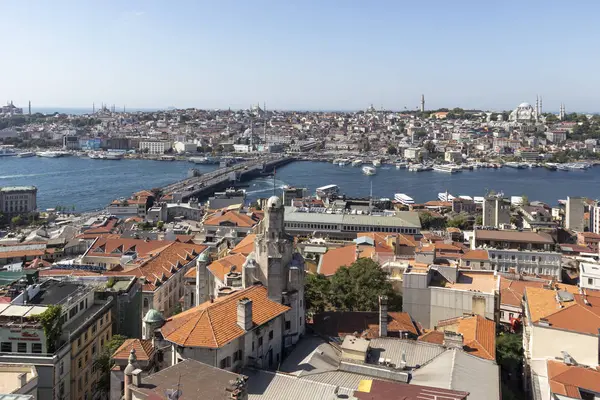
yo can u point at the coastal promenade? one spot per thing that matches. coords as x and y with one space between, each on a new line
206 184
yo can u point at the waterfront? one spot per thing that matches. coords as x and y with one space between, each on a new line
92 184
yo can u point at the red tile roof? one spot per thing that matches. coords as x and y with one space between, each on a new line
246 246
232 218
230 263
567 380
512 291
144 351
342 256
213 325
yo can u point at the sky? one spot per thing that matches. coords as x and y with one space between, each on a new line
302 55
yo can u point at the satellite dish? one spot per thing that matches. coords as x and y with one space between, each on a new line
173 394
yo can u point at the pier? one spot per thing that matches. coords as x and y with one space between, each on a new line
207 184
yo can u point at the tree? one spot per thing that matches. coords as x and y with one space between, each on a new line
509 355
51 322
459 221
392 150
479 220
103 363
160 225
430 147
428 221
16 221
358 287
525 200
316 293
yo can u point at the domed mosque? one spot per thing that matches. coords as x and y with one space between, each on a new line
526 113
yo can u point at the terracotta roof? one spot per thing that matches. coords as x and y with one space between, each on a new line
567 380
437 203
185 238
22 253
223 266
116 247
512 291
479 336
366 323
407 240
246 246
379 240
67 272
213 325
144 350
231 217
436 337
513 236
382 390
477 254
342 256
589 235
575 316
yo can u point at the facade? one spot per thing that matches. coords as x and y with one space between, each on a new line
515 240
525 262
16 200
595 218
438 293
528 155
589 276
589 239
453 156
536 218
155 146
524 113
574 211
495 212
556 136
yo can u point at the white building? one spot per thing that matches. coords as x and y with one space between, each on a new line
524 113
589 276
526 262
185 147
155 146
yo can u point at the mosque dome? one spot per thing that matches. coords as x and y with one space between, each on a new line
204 257
525 105
153 316
274 202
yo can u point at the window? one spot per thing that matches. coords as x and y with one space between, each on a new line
81 307
61 366
532 258
468 263
225 363
481 264
300 319
79 363
61 390
252 346
260 341
37 348
93 329
6 347
94 349
270 335
80 383
85 336
288 325
590 281
79 341
22 347
237 356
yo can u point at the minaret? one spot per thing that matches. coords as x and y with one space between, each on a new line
93 108
265 125
29 108
540 106
537 106
422 103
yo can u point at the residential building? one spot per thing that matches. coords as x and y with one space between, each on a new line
198 380
18 200
453 156
589 276
412 153
155 146
556 136
528 155
537 218
595 218
19 381
135 206
589 239
564 378
437 293
511 299
515 240
476 259
232 224
168 212
559 323
495 212
574 211
547 264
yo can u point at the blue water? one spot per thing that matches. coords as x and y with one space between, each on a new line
92 184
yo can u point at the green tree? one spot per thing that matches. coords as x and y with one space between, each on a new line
316 293
459 221
392 150
479 220
430 147
16 221
358 287
509 355
428 221
52 323
160 225
103 363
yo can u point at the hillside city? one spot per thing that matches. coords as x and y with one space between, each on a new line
190 290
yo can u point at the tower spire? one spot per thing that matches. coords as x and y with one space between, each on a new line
422 103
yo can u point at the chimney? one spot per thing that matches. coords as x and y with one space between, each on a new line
23 379
137 378
383 315
128 374
244 314
453 340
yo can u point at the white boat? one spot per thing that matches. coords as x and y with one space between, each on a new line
26 154
377 163
445 196
204 160
512 164
327 190
357 163
451 169
478 199
49 154
7 151
343 161
367 170
113 156
416 168
465 197
167 158
401 165
562 167
404 199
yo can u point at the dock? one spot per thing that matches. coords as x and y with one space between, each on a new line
207 184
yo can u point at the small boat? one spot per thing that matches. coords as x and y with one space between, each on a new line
451 169
367 170
416 168
343 162
550 166
377 163
49 154
7 151
512 164
113 156
26 154
357 163
404 199
327 190
562 167
445 196
400 165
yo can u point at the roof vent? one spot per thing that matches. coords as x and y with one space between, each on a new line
564 296
568 359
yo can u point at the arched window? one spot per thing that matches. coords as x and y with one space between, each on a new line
145 302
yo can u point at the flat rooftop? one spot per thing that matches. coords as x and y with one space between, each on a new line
513 236
475 281
55 292
10 380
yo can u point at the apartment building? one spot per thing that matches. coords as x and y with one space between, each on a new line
16 200
155 146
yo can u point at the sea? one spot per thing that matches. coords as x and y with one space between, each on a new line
91 184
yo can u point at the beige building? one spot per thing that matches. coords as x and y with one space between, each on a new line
18 199
18 379
155 146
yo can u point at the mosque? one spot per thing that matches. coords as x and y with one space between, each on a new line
525 113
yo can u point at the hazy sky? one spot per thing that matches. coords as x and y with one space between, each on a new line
321 54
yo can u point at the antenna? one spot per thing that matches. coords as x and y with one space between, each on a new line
174 394
274 172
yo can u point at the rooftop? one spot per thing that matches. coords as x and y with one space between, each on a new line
571 380
195 380
246 246
513 236
512 291
230 263
405 219
55 292
373 389
10 377
17 188
144 350
365 323
479 334
480 281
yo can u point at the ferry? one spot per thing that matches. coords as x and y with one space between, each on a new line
328 190
516 165
113 156
26 154
377 163
451 169
357 163
400 165
416 168
7 151
404 199
367 170
204 160
445 196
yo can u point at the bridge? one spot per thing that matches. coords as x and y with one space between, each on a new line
207 184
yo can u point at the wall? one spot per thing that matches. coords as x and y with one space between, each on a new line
450 303
416 297
548 342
